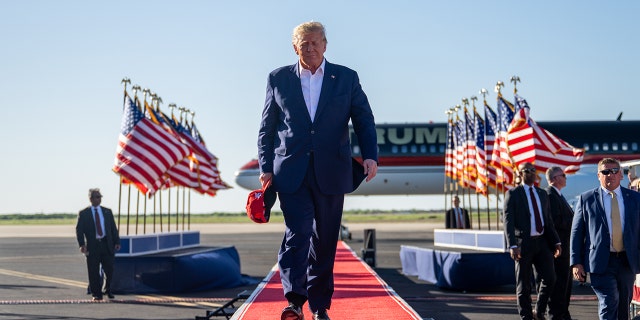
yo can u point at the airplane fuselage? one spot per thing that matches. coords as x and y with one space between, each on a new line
411 156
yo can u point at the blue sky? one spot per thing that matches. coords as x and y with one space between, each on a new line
62 62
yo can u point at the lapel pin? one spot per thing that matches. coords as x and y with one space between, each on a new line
333 77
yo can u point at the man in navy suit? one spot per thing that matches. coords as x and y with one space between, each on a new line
305 154
98 239
604 241
531 238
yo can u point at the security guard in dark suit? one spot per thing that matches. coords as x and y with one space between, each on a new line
98 239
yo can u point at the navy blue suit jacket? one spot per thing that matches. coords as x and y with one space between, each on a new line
590 237
287 136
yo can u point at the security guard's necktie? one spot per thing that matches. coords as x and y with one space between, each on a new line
616 224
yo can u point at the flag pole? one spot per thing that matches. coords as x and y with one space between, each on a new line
515 79
448 112
137 210
124 81
497 89
193 115
183 110
184 202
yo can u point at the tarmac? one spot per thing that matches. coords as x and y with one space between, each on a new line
43 276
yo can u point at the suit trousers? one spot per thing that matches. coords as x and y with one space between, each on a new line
614 288
105 257
308 248
561 293
536 254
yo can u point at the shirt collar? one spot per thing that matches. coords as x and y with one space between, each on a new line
320 68
617 190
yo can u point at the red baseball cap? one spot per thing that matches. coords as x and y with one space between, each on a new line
259 204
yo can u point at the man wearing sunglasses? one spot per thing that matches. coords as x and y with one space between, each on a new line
562 215
604 241
532 240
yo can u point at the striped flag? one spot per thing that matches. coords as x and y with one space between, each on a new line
196 171
218 184
470 155
520 135
490 129
500 156
449 152
532 143
460 147
145 150
481 164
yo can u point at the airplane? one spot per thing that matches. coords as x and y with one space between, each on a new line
412 155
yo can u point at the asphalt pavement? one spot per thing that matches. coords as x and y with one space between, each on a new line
43 276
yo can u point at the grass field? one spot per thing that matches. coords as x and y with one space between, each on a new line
349 216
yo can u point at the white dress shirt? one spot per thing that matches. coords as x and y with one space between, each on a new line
311 87
93 209
532 216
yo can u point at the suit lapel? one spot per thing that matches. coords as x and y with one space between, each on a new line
526 216
600 206
326 92
629 210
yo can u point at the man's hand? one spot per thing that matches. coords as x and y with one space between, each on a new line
578 273
558 251
265 179
515 253
370 168
83 249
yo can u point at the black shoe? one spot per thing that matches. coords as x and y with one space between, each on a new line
109 294
321 315
292 312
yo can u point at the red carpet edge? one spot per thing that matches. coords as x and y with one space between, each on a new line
404 311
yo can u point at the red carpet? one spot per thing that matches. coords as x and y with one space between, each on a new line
359 294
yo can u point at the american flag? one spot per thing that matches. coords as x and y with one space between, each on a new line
489 139
566 156
541 147
449 152
145 150
481 164
500 156
218 183
196 171
470 155
520 135
461 144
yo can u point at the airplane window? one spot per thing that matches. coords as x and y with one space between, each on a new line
441 149
634 146
423 149
432 149
586 147
414 149
596 147
394 149
625 146
605 147
614 146
404 149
